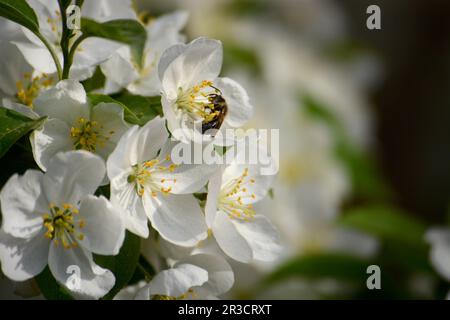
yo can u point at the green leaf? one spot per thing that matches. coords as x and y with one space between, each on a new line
95 99
144 108
221 150
13 126
130 32
64 3
144 271
401 235
322 265
122 265
50 288
97 81
20 12
385 222
236 55
138 110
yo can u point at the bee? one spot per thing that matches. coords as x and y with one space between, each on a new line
218 105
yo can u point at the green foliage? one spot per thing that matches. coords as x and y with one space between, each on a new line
127 31
138 110
144 108
97 81
122 265
50 288
322 265
13 126
385 222
20 12
401 235
144 271
235 55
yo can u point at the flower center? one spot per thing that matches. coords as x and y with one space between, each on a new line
203 102
88 135
29 88
145 176
61 227
233 196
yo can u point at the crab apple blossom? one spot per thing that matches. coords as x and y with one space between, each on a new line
194 97
238 230
54 219
146 184
73 124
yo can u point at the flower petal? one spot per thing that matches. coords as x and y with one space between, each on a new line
150 139
230 240
130 292
439 238
239 108
91 282
178 218
66 101
120 158
47 141
175 282
200 60
124 197
261 236
137 145
168 56
23 203
21 108
119 67
37 56
23 259
220 274
13 67
105 10
72 175
103 227
92 52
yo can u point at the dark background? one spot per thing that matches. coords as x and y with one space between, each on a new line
413 102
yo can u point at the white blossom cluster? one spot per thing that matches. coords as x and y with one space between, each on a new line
60 215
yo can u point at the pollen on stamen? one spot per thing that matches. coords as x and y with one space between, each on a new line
88 135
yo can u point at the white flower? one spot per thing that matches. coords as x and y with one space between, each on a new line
54 219
91 51
147 184
439 239
122 72
193 96
199 276
73 124
19 83
239 231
